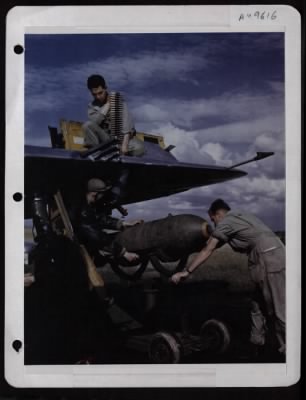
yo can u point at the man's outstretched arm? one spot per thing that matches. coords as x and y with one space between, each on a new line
201 257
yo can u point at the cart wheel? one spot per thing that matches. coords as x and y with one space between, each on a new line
164 349
215 336
131 276
156 263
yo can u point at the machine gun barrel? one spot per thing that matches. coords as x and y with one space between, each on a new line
99 147
260 155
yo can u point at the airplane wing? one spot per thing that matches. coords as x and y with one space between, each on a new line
156 174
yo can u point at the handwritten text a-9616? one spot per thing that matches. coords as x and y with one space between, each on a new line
258 15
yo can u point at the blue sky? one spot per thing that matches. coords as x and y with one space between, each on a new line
218 97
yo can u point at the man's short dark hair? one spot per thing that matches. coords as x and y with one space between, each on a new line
95 81
217 205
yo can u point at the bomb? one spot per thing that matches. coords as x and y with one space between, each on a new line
170 238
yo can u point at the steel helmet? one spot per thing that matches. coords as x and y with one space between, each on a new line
97 185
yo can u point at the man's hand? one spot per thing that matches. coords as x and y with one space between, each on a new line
128 224
124 150
176 278
105 108
28 279
130 257
125 144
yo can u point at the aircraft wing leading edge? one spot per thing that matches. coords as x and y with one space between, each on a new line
49 169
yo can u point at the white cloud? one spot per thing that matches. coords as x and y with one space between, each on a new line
255 122
259 186
187 148
231 107
270 140
151 112
241 132
218 152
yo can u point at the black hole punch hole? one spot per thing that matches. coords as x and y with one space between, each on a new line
17 344
17 196
18 49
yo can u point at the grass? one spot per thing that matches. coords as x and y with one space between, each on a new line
226 265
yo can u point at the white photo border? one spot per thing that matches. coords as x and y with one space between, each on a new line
161 19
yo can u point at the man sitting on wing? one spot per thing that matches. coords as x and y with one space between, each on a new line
98 128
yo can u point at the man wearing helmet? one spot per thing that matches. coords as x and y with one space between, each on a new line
93 219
